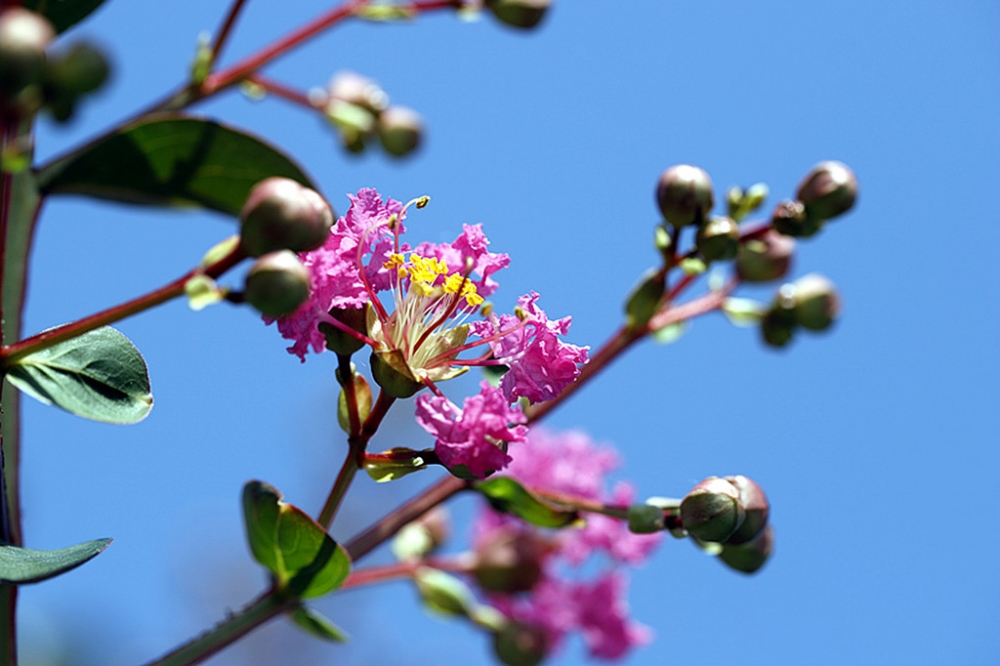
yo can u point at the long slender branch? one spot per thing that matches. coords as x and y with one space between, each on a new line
226 29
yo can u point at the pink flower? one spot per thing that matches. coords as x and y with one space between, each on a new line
603 618
475 436
541 365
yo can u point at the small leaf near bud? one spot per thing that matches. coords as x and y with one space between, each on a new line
644 300
401 130
281 214
443 592
518 644
756 507
814 300
522 14
741 203
684 195
24 36
718 239
277 284
765 258
423 536
750 556
712 510
645 519
829 190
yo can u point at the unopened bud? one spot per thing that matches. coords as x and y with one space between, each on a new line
518 644
281 214
400 130
829 190
789 219
510 561
277 284
340 341
765 258
778 325
359 90
718 239
645 519
390 371
750 556
423 536
684 195
82 69
755 506
24 35
519 13
712 510
814 301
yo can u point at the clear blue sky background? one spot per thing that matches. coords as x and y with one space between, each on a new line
877 444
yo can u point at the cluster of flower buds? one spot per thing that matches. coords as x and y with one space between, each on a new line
31 79
523 14
829 190
731 514
360 110
280 218
811 302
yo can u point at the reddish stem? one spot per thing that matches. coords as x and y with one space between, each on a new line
227 26
281 90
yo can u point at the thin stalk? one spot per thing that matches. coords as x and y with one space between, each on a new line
226 29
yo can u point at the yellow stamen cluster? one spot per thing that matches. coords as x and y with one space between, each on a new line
423 273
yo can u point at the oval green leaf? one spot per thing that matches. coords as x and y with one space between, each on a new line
316 624
171 160
24 565
304 559
63 14
507 495
99 375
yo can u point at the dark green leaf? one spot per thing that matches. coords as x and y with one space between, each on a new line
306 561
171 160
507 495
99 375
314 623
63 14
23 565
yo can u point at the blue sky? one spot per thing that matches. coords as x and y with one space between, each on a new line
875 443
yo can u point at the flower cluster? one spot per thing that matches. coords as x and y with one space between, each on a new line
422 304
555 602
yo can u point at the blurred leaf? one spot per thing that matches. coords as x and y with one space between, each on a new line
444 593
507 495
743 311
63 14
23 565
645 298
312 622
399 462
670 333
99 375
306 561
171 160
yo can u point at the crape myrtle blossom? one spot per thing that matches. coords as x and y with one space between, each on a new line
570 465
422 303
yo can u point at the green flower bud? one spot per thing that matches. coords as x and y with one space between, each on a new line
778 326
24 36
718 239
82 69
814 301
337 340
755 506
684 194
646 519
277 284
519 644
829 190
281 214
750 556
789 219
400 130
712 510
510 561
423 536
765 258
519 13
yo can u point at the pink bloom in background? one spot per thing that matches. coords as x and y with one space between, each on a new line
475 436
604 620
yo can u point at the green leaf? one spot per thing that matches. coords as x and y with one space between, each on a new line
444 593
63 14
670 333
313 622
171 160
645 298
23 565
394 464
99 375
507 495
306 561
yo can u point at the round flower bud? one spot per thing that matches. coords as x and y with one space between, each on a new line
337 340
750 556
277 284
24 35
281 214
778 326
789 218
400 130
519 644
510 561
519 13
718 239
359 90
69 75
755 506
712 510
684 194
829 190
814 301
765 258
